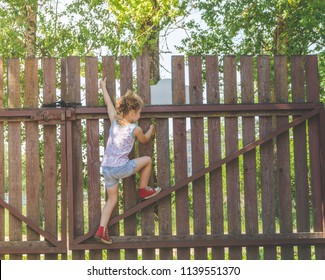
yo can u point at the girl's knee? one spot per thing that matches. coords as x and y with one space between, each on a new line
148 159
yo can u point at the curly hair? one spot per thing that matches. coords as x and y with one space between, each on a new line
128 102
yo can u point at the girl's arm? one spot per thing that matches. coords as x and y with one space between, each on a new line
144 137
109 104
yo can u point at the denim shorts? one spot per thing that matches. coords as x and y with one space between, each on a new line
112 175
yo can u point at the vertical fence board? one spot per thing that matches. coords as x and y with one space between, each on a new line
50 155
63 157
108 71
312 90
197 145
232 168
73 95
180 154
2 158
14 153
63 79
250 185
93 163
163 180
143 82
300 156
322 141
32 150
283 156
214 144
267 156
130 193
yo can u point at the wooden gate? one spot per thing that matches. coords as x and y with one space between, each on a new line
32 172
241 164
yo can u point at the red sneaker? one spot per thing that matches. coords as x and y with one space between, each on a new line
148 192
102 235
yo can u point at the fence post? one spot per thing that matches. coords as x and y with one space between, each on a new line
283 155
73 95
14 153
312 90
93 163
267 156
180 157
214 144
300 156
32 146
232 168
130 193
250 184
198 159
143 88
108 71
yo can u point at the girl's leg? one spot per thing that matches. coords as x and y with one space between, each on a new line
145 165
112 197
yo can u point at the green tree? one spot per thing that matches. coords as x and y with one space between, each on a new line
255 27
139 24
290 27
18 27
86 27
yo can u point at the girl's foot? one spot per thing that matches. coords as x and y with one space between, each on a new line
102 235
148 192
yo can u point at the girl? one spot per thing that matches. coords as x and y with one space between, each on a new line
116 164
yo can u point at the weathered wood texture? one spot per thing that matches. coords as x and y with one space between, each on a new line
239 157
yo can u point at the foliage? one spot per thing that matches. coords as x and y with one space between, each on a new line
292 27
138 23
13 15
80 27
272 27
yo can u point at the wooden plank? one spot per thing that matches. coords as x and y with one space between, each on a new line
214 144
163 181
300 156
198 154
17 213
232 168
2 159
130 193
183 111
32 151
222 240
283 156
322 141
180 154
93 163
63 80
73 95
108 71
266 155
63 158
143 87
14 153
64 190
250 184
50 154
313 91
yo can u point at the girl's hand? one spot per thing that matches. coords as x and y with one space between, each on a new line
153 129
102 83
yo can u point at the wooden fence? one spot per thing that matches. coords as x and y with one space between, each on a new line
241 166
